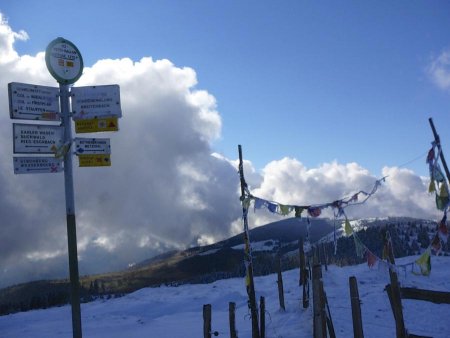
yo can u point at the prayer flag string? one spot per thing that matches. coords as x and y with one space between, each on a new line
314 210
362 251
438 185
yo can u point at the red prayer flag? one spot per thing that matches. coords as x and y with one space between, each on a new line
314 212
371 259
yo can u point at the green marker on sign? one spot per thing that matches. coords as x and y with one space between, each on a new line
64 61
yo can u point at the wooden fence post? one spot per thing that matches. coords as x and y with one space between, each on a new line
356 308
319 320
207 321
280 285
316 257
325 257
329 320
303 274
232 316
302 262
394 291
262 313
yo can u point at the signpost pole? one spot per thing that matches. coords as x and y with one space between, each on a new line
70 211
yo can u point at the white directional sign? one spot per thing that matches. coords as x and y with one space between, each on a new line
35 165
37 138
92 146
64 61
31 102
96 102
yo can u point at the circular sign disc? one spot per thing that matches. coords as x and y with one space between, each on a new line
64 61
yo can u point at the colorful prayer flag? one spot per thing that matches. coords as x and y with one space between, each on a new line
437 174
371 259
443 232
432 187
441 202
298 211
424 263
436 244
359 246
246 203
443 191
272 207
314 211
347 227
430 156
259 203
285 209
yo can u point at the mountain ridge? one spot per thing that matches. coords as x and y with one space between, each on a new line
223 259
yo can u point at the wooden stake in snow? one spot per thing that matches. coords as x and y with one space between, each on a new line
356 308
248 253
280 285
232 317
207 321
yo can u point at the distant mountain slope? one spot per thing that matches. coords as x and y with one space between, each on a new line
222 260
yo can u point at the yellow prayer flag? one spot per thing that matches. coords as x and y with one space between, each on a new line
424 263
348 228
432 187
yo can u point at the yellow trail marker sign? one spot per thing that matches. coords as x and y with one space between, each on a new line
97 125
94 160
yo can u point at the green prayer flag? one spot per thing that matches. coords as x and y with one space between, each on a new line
444 191
285 209
441 202
298 211
359 246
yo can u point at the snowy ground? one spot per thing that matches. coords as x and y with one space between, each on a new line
176 312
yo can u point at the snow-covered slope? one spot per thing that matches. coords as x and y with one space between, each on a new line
176 312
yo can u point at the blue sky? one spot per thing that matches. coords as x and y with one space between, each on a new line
314 80
324 96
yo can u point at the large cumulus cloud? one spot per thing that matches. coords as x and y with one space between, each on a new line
164 190
288 181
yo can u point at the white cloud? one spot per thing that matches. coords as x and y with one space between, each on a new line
7 39
288 181
439 70
164 189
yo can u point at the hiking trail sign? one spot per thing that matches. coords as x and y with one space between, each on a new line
95 108
96 125
95 102
26 165
92 146
64 61
31 102
37 138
